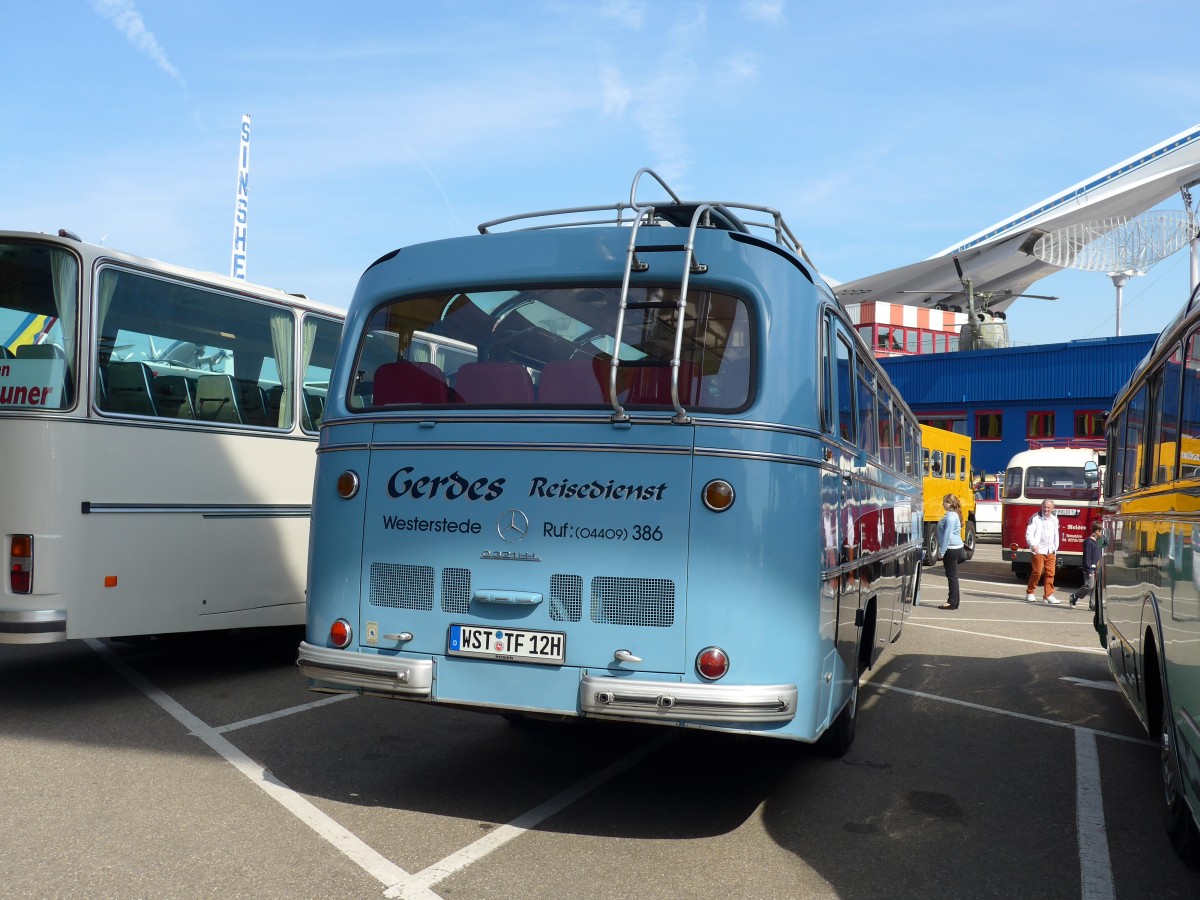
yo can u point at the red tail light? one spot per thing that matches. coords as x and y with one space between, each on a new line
712 663
20 566
340 634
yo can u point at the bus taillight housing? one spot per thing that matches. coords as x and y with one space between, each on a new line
20 563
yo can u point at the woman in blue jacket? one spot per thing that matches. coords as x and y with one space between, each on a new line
950 545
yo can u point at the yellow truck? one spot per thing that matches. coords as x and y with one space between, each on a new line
947 460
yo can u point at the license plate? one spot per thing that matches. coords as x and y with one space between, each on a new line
513 644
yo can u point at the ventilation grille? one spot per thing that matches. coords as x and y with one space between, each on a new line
402 587
456 590
633 601
566 598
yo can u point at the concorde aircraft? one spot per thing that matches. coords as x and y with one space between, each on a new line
997 265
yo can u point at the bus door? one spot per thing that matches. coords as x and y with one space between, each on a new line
560 545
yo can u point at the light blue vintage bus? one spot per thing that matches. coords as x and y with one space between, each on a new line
663 480
1148 613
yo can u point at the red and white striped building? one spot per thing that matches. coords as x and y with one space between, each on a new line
893 330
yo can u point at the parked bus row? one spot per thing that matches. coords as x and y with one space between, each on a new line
158 431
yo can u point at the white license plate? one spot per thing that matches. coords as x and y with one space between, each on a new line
514 644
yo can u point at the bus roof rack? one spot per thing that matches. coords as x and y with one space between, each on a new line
672 212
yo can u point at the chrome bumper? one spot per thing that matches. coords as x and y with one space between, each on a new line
669 701
343 670
33 626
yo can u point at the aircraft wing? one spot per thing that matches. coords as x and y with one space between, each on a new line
999 260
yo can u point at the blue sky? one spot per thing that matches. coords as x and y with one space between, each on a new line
884 132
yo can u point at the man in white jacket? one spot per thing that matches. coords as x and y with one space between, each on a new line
1042 537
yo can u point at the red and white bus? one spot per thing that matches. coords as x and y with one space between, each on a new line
1068 475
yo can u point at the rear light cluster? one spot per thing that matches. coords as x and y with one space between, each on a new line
20 566
341 634
712 663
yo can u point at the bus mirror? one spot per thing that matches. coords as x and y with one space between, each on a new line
1091 473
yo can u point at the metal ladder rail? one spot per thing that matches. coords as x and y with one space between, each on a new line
689 266
619 414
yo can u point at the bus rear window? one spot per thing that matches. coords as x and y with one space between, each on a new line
1057 483
553 347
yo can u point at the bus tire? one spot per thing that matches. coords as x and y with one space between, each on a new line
1177 816
840 734
931 545
1021 571
968 539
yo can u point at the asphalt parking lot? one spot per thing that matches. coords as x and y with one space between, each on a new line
994 758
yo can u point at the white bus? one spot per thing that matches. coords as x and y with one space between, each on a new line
158 429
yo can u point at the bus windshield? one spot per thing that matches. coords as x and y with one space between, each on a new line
39 287
553 346
1058 483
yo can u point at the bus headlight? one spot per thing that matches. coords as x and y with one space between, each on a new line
712 663
341 634
718 495
347 484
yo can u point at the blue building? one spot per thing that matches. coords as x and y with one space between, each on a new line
1005 398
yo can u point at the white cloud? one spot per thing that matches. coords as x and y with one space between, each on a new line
742 67
127 20
630 13
769 11
616 94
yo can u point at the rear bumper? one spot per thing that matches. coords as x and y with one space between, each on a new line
667 702
33 626
344 670
676 702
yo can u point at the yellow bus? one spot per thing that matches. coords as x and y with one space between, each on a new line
947 460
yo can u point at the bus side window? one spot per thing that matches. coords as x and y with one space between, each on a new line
950 466
1013 478
936 464
1134 422
962 468
845 390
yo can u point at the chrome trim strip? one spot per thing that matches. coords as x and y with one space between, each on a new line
668 449
673 701
33 626
347 670
208 510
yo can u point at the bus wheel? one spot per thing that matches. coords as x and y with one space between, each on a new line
931 546
1021 572
1176 816
840 734
968 540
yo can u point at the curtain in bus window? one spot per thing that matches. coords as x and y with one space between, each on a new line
885 430
279 404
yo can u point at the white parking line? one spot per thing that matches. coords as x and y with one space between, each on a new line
1002 637
476 851
370 861
279 714
1095 865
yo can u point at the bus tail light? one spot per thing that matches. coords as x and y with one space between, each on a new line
347 484
20 570
341 634
712 663
718 495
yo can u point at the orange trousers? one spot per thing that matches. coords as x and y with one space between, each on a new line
1042 563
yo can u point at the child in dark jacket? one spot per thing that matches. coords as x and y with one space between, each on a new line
1091 559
